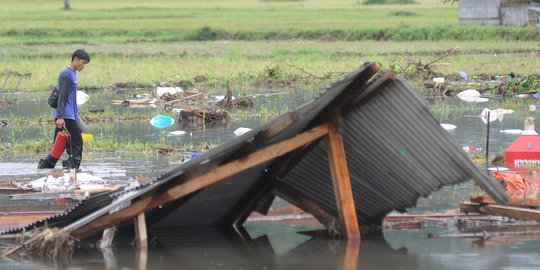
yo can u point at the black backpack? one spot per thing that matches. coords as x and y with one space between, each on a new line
53 98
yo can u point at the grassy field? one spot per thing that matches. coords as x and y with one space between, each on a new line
247 43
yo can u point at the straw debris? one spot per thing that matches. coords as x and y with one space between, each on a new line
51 244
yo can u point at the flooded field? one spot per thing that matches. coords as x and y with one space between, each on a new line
435 244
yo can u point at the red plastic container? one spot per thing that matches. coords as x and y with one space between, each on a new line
59 145
524 151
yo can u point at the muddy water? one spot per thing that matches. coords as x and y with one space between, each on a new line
272 246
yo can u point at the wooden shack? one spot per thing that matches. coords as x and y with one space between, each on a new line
494 12
534 13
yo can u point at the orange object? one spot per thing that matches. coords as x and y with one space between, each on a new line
59 144
513 182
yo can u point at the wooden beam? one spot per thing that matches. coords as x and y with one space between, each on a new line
510 211
342 184
525 202
201 181
141 236
295 197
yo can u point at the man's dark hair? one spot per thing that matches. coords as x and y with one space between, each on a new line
81 54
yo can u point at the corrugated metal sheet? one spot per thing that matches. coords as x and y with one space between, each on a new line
396 152
88 205
494 12
211 205
479 12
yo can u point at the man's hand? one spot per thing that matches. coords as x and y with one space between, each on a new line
60 122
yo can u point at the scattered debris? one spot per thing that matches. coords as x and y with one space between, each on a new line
202 117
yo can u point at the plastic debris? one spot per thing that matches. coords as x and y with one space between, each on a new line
493 115
463 75
532 108
438 80
63 182
498 169
241 130
512 131
471 148
82 97
160 91
161 121
87 137
536 95
448 126
177 132
469 95
481 100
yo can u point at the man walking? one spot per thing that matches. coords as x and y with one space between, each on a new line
66 112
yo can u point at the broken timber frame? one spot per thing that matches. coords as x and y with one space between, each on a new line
340 178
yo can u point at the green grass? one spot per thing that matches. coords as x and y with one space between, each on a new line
237 42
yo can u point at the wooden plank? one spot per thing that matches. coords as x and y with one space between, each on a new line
510 211
512 201
201 181
467 207
295 197
141 236
342 184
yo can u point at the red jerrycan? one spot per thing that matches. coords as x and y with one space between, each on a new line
59 144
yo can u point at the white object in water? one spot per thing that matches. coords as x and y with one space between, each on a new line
220 97
241 130
493 115
512 131
177 132
160 91
469 95
498 169
532 108
481 100
438 80
82 97
448 126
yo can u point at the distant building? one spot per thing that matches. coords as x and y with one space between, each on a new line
499 12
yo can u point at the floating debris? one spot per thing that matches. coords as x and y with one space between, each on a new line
160 91
469 95
177 132
481 100
471 148
241 130
512 131
438 80
492 114
201 117
448 126
82 97
161 121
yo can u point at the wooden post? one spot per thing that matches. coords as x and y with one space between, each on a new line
342 183
141 237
